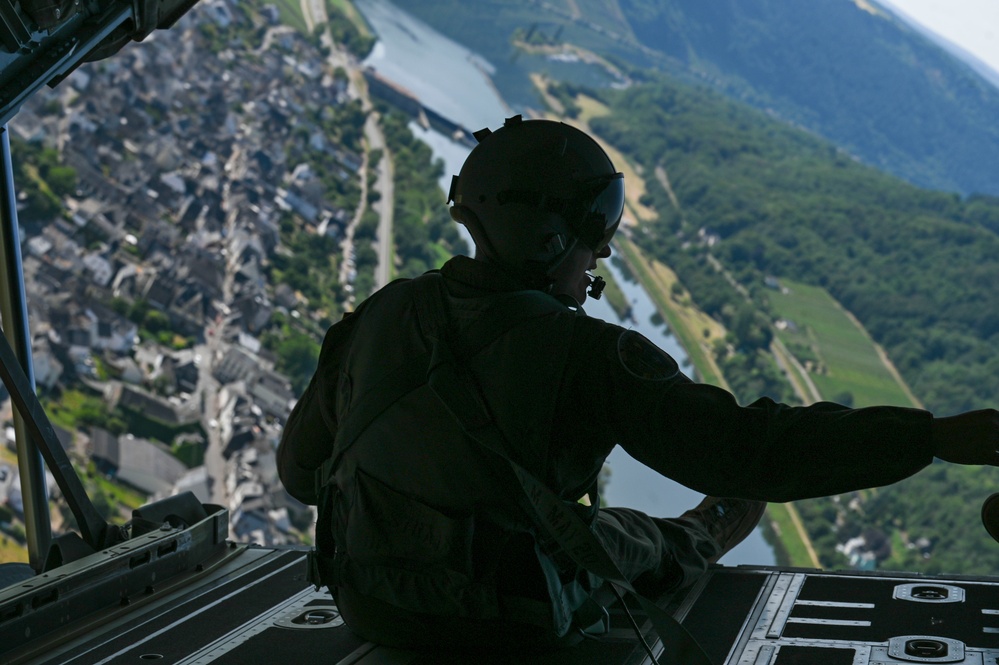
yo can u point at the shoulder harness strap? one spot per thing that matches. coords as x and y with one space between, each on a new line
456 388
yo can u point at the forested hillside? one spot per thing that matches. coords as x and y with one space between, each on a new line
847 71
929 523
918 268
857 76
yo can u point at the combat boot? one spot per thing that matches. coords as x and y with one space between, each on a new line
727 521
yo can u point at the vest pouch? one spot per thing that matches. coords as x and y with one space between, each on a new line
321 566
388 528
576 599
404 552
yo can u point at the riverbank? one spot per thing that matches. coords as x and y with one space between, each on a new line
696 333
695 330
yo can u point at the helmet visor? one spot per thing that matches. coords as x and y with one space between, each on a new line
596 226
592 213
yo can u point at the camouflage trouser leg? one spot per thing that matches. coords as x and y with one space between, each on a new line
659 554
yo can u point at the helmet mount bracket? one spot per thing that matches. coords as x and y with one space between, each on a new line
555 244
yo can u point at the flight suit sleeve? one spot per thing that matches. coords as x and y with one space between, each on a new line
700 436
307 439
776 452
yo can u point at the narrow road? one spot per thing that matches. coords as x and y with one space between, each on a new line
315 15
208 386
214 346
312 14
800 528
797 375
384 206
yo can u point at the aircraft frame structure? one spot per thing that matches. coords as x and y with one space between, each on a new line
170 586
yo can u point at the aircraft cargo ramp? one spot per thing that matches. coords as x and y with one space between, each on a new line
250 605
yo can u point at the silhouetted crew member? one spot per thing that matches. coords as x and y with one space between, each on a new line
421 538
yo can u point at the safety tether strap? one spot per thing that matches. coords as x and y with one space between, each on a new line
459 392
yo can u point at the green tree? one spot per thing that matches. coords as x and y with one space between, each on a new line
297 358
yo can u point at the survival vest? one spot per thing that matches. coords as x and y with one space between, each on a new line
411 507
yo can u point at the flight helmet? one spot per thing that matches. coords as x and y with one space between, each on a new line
531 190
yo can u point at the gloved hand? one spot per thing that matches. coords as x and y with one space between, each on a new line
967 438
990 515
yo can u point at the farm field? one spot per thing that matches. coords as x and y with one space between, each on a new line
841 358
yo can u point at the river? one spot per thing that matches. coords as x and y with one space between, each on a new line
450 79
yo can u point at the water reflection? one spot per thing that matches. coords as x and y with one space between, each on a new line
631 483
443 74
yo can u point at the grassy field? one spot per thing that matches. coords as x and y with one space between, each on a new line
841 356
695 330
125 496
8 456
590 108
11 551
64 412
291 14
796 549
347 9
